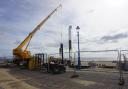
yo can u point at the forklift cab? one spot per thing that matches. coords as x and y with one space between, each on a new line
55 66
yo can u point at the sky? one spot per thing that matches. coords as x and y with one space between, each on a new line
103 24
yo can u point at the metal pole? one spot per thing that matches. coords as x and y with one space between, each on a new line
62 53
70 43
121 79
79 62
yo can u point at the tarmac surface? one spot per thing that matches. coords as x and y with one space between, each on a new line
23 79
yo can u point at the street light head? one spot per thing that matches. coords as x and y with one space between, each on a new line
77 28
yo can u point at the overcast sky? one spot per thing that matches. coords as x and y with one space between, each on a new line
103 24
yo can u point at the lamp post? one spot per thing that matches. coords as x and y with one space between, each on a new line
79 62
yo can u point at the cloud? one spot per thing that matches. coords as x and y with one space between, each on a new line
95 18
91 11
113 38
18 18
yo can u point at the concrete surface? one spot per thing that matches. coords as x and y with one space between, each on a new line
24 79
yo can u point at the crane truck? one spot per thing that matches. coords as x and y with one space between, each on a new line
21 54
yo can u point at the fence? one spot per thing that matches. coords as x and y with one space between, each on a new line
98 57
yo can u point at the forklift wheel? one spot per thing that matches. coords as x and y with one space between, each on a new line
56 71
121 82
74 76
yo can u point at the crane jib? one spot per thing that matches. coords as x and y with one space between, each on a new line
28 38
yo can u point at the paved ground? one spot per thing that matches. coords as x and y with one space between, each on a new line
24 79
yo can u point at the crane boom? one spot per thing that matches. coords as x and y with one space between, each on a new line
24 54
37 28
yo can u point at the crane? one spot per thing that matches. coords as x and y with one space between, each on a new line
21 54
